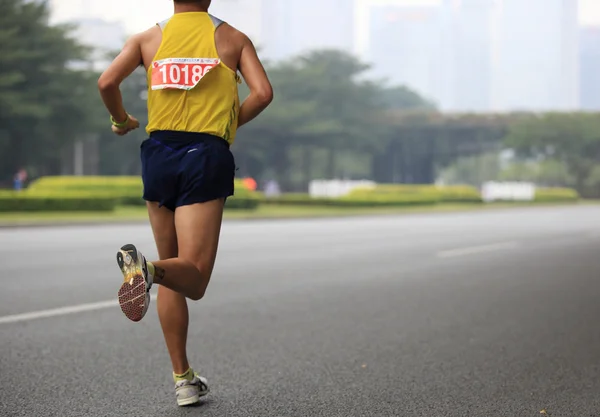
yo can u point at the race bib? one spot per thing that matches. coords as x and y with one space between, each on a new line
180 73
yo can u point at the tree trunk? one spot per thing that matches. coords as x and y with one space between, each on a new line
331 160
307 165
279 160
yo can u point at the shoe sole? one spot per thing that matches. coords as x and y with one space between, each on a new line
189 401
133 297
195 399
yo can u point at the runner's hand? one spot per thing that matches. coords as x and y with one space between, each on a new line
132 124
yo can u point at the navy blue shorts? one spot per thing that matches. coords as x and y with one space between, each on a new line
182 168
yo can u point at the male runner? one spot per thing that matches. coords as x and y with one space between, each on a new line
191 61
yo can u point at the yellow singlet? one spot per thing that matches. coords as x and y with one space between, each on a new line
189 88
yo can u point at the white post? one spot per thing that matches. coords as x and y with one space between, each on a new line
78 158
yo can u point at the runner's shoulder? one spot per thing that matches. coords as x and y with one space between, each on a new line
145 36
149 34
237 36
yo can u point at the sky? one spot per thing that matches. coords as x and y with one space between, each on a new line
138 15
589 12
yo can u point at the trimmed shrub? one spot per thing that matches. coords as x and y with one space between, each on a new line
243 198
90 193
392 200
386 195
297 199
110 184
127 190
22 201
460 194
443 194
556 194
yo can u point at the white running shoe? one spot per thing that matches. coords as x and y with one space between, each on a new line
134 294
190 392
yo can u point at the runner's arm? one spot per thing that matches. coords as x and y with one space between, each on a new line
108 84
261 91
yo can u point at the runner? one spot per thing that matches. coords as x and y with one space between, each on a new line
191 61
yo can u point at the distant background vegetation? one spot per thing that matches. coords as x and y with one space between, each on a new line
327 121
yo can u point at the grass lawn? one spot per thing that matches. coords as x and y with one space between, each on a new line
138 214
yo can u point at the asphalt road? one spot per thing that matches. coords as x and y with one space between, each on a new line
474 314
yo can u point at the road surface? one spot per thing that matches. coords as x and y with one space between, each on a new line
472 314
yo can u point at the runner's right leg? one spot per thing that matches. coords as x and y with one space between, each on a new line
198 228
172 306
173 312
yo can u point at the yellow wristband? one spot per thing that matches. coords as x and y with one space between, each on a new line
119 125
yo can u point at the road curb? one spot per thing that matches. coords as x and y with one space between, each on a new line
69 224
48 224
146 222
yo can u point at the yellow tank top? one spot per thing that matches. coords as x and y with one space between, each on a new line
189 88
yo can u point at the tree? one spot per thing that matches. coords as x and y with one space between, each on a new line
570 138
424 142
325 118
43 99
546 173
472 170
120 155
403 98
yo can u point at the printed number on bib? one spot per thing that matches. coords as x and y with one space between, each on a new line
180 73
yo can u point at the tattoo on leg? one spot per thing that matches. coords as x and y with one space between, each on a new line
159 274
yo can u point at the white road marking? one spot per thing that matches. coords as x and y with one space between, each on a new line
62 311
452 253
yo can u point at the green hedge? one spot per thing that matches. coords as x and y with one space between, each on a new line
351 201
556 195
460 194
297 199
22 201
403 195
367 200
243 198
386 195
441 194
87 193
126 190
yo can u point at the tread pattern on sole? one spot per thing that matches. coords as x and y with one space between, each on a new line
133 297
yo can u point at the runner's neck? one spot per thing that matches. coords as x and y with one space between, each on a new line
190 7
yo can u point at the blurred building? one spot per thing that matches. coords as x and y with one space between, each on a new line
103 36
108 36
440 48
476 55
467 31
589 60
508 55
245 15
294 27
281 29
403 41
535 55
106 39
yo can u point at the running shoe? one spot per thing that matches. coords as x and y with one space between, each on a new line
134 294
190 392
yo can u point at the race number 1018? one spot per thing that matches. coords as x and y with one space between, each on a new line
179 75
